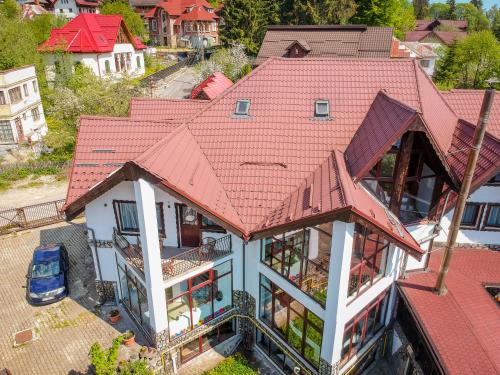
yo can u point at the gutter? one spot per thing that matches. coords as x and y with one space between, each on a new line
96 254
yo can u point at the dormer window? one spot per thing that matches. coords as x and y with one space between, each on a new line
242 107
321 109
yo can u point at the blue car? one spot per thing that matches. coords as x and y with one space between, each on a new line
47 278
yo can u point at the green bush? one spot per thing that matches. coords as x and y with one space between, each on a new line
234 365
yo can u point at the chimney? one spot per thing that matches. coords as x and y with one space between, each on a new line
477 141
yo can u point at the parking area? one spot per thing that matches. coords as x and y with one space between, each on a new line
62 332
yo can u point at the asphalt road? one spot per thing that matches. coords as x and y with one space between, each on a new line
177 86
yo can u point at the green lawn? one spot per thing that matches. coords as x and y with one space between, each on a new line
235 365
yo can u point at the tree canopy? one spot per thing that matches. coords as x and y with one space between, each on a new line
475 17
421 8
493 15
131 18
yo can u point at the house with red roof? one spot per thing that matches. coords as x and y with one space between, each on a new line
438 32
281 213
103 43
211 87
183 23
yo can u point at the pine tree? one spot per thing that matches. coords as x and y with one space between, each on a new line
421 8
477 3
447 69
453 9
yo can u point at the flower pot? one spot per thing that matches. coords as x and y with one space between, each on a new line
129 338
114 316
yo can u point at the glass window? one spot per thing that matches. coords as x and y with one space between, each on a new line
6 134
15 95
107 67
35 114
35 86
493 218
368 259
242 107
196 301
321 108
128 220
25 88
299 327
471 215
134 296
363 327
2 98
138 59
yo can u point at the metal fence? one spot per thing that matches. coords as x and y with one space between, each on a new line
33 216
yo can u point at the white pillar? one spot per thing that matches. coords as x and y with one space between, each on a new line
336 299
150 242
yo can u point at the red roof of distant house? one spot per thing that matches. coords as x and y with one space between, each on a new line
212 87
180 8
86 3
87 33
430 25
243 169
463 326
197 13
447 37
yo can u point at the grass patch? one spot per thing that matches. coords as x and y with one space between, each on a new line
9 176
234 365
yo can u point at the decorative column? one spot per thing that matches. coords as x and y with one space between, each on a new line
336 299
148 226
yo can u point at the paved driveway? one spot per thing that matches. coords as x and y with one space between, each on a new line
63 331
177 86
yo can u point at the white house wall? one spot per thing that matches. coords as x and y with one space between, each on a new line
485 194
66 8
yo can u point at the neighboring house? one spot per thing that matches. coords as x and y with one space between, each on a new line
183 23
211 87
30 11
456 333
142 7
481 221
103 43
21 113
416 50
283 211
437 32
325 41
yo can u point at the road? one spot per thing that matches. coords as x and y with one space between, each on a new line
177 86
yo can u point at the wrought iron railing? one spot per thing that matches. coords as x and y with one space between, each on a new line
131 253
208 252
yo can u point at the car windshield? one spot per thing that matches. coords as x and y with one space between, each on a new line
45 269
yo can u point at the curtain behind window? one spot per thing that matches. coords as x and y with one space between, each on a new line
129 219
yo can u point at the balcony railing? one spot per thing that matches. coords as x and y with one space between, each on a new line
208 252
180 263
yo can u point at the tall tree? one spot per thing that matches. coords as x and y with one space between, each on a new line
452 15
477 3
246 22
494 19
446 67
421 8
396 13
439 10
131 18
476 19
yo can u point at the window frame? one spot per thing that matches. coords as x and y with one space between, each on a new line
3 100
35 113
241 113
5 127
478 218
319 115
117 212
35 85
486 226
25 89
15 95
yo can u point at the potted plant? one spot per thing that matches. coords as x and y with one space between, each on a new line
143 352
114 316
129 338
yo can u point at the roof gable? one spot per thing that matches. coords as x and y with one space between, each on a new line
212 87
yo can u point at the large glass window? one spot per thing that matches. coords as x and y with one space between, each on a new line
472 215
127 219
2 98
493 216
291 257
197 300
134 296
15 95
299 327
368 259
284 362
6 135
363 327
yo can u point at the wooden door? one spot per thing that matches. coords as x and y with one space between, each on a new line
189 226
19 128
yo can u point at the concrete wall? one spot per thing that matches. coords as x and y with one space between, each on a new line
485 194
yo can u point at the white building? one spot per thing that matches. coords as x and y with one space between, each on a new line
280 214
21 112
103 43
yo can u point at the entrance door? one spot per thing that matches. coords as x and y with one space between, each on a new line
189 226
19 128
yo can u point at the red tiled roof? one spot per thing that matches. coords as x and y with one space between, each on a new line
178 8
165 109
447 37
212 87
87 33
86 3
467 104
104 144
463 326
260 159
422 25
198 13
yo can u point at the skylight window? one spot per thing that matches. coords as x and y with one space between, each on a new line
242 107
322 109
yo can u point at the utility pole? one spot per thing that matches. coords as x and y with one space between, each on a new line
477 141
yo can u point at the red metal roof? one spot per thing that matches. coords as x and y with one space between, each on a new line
422 25
165 109
179 8
256 162
212 87
463 326
87 3
447 37
87 33
467 104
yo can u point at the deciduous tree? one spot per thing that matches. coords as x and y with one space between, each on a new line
452 14
476 19
439 10
131 18
494 19
421 8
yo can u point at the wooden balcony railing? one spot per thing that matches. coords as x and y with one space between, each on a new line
208 252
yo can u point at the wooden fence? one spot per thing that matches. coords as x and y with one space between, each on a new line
32 216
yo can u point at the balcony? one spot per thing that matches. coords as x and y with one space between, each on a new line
175 261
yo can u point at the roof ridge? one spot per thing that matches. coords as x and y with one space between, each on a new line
128 119
345 193
145 98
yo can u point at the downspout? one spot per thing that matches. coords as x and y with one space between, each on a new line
98 65
477 141
244 277
96 254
